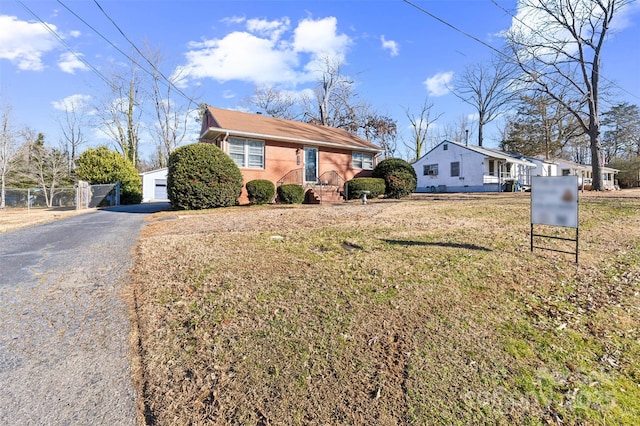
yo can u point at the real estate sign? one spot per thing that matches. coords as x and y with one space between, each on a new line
554 201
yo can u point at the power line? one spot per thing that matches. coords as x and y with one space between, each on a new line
64 43
112 44
141 54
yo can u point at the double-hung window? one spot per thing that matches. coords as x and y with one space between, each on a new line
455 168
247 153
362 160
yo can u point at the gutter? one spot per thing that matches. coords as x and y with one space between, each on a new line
218 131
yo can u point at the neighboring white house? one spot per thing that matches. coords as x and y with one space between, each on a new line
455 167
154 185
583 171
543 167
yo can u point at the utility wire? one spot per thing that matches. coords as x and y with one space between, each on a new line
64 43
112 44
171 84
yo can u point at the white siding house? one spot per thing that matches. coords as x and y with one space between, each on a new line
583 171
154 185
455 167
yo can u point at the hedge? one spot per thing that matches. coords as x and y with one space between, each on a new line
201 176
260 191
290 194
375 186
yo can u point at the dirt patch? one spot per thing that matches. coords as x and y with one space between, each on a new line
421 311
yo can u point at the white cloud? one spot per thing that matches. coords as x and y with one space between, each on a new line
271 29
75 34
72 102
437 85
69 63
473 117
262 54
390 45
239 56
24 43
228 94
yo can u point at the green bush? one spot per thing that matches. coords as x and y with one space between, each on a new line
100 166
290 194
375 186
399 177
201 176
260 191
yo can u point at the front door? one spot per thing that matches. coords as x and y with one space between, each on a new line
310 164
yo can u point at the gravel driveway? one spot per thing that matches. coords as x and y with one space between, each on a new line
64 357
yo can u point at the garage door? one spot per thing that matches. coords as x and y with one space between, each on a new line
160 189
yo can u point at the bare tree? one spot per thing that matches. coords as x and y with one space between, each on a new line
420 124
172 115
120 114
275 103
564 50
383 131
47 167
487 87
458 131
9 149
335 102
72 122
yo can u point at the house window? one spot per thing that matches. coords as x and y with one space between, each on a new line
430 170
566 172
445 147
362 160
455 169
492 168
246 153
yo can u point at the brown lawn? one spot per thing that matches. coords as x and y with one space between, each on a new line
430 310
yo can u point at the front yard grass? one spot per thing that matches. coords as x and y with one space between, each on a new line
425 311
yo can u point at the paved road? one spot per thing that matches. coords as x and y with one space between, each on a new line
64 357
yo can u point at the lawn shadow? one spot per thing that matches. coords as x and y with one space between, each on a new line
436 243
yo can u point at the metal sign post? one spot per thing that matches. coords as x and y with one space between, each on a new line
554 202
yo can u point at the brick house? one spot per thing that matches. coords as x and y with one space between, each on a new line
320 158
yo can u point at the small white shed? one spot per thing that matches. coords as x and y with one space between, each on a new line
154 185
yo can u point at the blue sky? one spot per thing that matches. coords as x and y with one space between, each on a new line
398 55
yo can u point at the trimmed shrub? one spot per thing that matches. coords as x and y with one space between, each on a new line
399 176
290 194
260 191
100 166
375 186
202 176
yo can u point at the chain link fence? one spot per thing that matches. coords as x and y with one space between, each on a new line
81 196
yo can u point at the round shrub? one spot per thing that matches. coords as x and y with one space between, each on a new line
202 176
399 176
260 191
375 186
100 166
290 194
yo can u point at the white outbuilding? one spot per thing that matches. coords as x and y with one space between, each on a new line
154 185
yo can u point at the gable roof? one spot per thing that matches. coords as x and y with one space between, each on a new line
236 123
491 153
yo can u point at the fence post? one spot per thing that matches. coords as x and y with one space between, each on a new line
28 200
117 194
